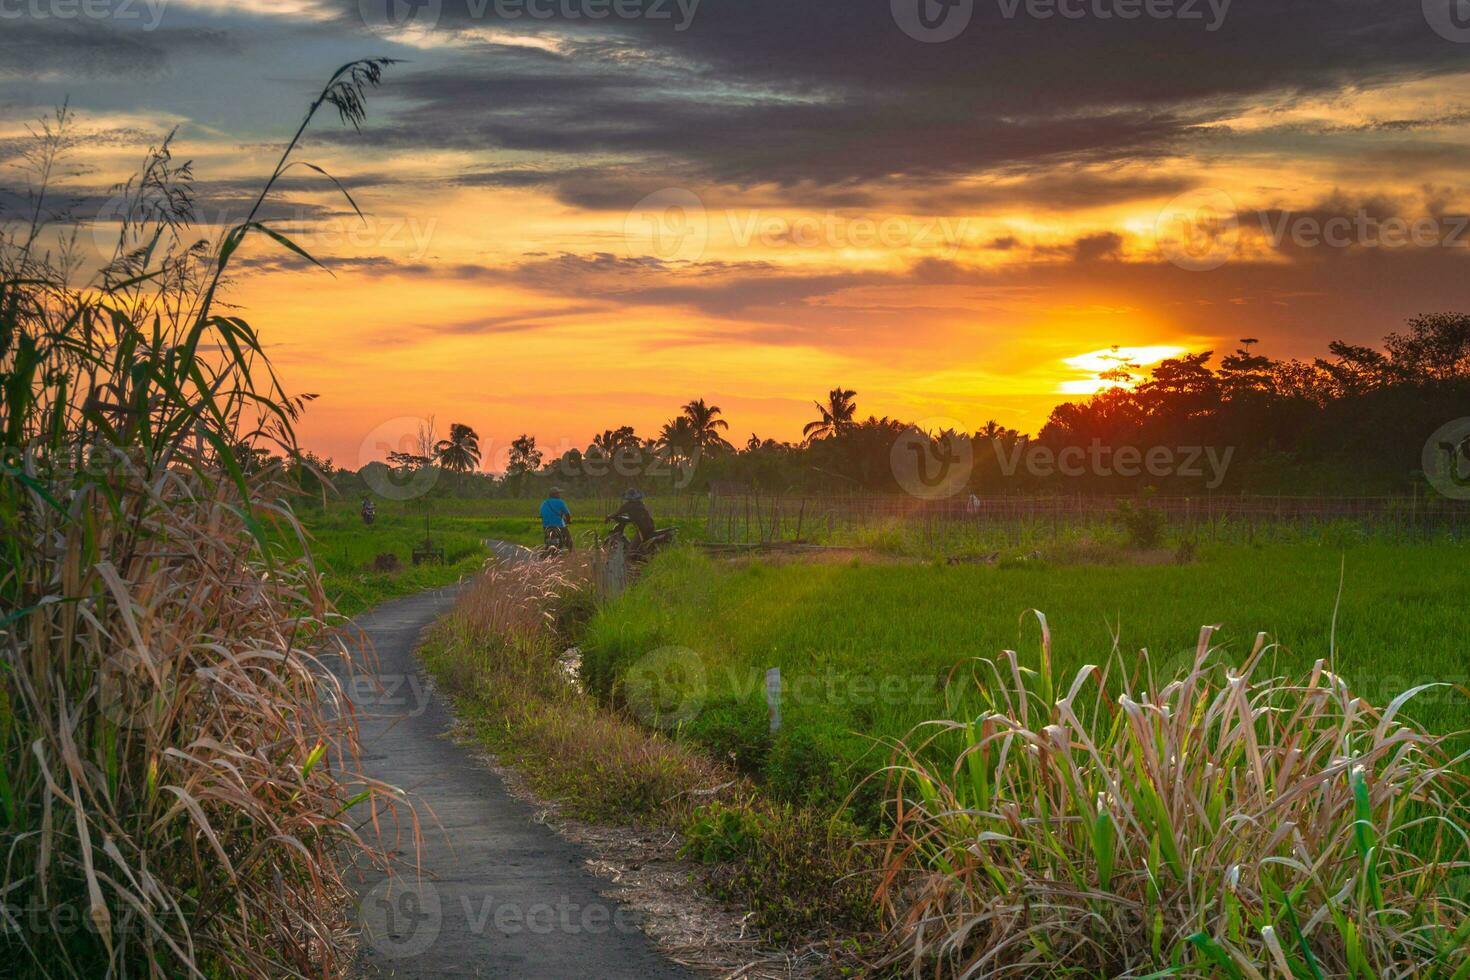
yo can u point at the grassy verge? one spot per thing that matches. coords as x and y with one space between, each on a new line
798 871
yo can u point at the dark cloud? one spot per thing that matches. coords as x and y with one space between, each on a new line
92 49
766 91
357 265
1296 304
1103 245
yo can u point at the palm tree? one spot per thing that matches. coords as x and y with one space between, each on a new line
676 440
460 453
836 416
993 431
612 440
705 425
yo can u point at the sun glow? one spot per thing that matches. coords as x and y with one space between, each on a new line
1099 362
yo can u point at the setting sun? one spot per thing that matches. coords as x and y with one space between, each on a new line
1100 362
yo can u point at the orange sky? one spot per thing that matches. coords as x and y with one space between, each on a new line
530 264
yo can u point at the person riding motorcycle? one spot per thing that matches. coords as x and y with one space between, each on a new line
636 513
369 511
555 516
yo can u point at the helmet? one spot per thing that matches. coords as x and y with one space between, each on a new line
632 493
554 492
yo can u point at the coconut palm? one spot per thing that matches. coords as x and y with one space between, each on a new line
705 425
460 453
836 416
676 440
612 440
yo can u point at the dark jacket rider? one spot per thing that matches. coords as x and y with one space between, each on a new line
634 511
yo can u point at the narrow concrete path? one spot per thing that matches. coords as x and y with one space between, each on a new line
500 895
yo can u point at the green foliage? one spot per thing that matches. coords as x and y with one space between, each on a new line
736 729
1144 524
798 870
719 832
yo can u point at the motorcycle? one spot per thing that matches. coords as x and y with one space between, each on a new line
557 539
637 550
369 512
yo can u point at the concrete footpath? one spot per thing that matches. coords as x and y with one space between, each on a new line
500 895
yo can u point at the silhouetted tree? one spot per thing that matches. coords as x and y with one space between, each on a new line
705 425
524 456
460 453
834 417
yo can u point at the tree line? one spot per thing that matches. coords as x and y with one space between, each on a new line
1352 422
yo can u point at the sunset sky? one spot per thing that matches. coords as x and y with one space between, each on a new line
578 223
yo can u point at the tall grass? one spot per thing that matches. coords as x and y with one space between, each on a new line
1222 823
498 652
178 764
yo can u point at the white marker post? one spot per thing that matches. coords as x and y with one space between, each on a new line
773 696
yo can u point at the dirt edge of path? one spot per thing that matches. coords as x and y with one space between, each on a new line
643 867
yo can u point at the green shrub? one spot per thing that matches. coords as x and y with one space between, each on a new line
1143 524
799 872
718 833
735 729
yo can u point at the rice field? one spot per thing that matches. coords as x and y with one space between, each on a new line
865 645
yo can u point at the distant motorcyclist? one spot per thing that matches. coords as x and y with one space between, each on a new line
555 516
369 511
636 513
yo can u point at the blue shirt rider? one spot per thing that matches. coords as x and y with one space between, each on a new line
554 511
